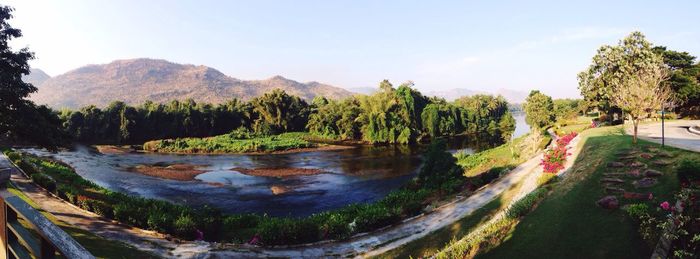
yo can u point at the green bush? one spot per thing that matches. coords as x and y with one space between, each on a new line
185 226
101 208
637 211
374 216
278 231
688 170
161 221
13 156
45 181
524 205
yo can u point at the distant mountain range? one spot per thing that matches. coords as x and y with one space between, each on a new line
511 96
135 81
36 77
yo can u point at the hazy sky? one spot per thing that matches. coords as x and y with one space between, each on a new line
437 44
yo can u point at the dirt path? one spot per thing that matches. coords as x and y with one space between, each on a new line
360 246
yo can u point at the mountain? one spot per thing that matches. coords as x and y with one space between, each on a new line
36 77
454 94
511 96
363 90
135 81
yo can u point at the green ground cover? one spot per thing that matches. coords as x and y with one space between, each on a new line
234 142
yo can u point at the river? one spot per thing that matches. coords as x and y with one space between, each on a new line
357 175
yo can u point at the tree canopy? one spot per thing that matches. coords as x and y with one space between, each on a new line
539 110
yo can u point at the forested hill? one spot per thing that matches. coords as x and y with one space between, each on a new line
135 81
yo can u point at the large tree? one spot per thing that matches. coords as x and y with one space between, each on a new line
612 65
19 117
683 80
642 94
539 110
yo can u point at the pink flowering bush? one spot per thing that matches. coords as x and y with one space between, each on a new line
555 157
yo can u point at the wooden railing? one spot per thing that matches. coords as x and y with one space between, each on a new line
26 233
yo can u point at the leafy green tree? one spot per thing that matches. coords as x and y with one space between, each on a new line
611 66
684 80
278 112
539 110
440 169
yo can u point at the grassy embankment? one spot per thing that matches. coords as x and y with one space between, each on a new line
234 142
568 223
98 246
492 161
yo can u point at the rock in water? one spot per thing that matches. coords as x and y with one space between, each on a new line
609 202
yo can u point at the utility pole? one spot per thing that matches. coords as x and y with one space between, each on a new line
663 139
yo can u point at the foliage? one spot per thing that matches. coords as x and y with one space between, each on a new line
21 119
688 170
439 166
526 204
684 80
122 124
45 181
566 109
555 157
234 142
539 110
277 112
638 210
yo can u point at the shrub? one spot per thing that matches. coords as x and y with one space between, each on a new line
688 170
160 221
524 205
13 156
546 179
637 211
45 181
185 226
408 202
276 231
374 216
334 225
101 208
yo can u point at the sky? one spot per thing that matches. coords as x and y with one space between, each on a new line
439 45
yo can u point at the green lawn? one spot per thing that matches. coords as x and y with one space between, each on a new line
568 223
98 246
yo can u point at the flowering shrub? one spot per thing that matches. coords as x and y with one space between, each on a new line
555 157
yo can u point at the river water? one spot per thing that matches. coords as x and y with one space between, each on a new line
357 175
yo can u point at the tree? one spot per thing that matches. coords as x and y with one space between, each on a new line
19 117
278 112
611 66
14 64
683 80
539 110
642 94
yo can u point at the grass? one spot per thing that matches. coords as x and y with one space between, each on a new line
568 223
231 143
98 246
436 240
507 155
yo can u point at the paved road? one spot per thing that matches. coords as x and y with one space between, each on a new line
676 132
